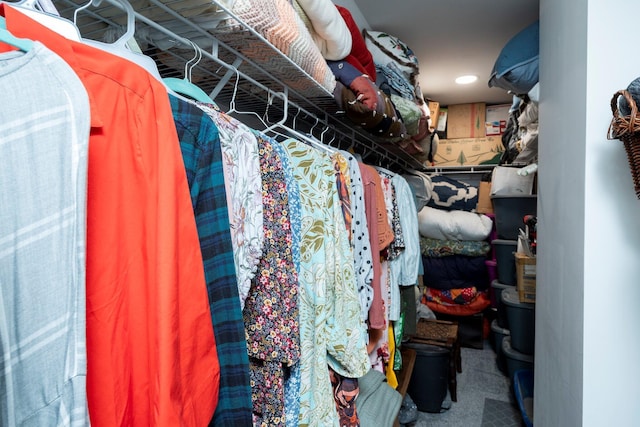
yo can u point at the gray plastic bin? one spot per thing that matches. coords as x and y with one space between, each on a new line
521 317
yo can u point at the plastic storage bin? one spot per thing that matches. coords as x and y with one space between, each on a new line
497 335
505 260
430 376
496 301
523 389
515 360
521 319
510 211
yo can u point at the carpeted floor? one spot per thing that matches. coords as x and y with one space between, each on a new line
485 398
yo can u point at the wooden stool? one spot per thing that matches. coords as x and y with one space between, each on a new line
442 333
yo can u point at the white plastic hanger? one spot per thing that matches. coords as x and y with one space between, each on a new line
119 47
184 86
41 12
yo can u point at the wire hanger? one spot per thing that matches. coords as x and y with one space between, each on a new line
24 45
184 86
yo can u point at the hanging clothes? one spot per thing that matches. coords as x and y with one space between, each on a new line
202 157
151 353
330 327
243 186
45 125
271 314
380 235
361 244
292 383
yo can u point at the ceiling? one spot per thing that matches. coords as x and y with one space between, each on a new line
452 38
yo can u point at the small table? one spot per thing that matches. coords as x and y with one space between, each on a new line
442 333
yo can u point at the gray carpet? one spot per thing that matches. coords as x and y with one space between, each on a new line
484 395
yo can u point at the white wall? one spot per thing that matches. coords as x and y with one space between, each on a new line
588 300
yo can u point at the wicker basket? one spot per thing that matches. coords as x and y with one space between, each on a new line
627 130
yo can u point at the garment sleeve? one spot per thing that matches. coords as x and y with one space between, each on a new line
347 352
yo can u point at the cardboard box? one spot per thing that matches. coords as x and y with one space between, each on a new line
466 120
434 113
485 203
526 277
442 120
469 151
496 117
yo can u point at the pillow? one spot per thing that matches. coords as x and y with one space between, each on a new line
420 184
410 113
386 125
450 194
516 68
458 225
327 27
359 57
386 48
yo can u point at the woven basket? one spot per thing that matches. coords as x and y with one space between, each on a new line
627 130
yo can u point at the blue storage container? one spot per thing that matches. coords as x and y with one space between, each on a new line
523 389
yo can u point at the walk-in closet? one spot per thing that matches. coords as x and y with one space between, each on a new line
285 213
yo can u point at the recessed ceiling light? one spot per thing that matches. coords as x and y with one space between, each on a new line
465 80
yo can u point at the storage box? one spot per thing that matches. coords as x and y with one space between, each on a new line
526 277
434 112
497 335
523 388
485 205
496 117
510 211
504 250
469 151
515 360
466 120
441 120
496 300
521 317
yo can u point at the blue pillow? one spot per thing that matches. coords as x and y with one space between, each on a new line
516 68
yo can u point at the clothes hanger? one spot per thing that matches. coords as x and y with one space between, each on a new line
24 45
120 46
265 126
184 86
307 139
46 14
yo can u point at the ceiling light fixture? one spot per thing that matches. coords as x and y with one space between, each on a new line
465 80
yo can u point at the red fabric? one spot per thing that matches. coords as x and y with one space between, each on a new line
480 303
150 347
360 56
381 236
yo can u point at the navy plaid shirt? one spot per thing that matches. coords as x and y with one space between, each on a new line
200 146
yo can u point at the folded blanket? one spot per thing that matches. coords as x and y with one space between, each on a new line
451 296
436 248
458 225
479 304
452 194
359 57
455 271
327 27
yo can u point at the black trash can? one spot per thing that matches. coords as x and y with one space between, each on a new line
430 376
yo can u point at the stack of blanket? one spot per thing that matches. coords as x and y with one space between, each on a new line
454 249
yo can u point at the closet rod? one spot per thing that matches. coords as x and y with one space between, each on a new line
370 146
